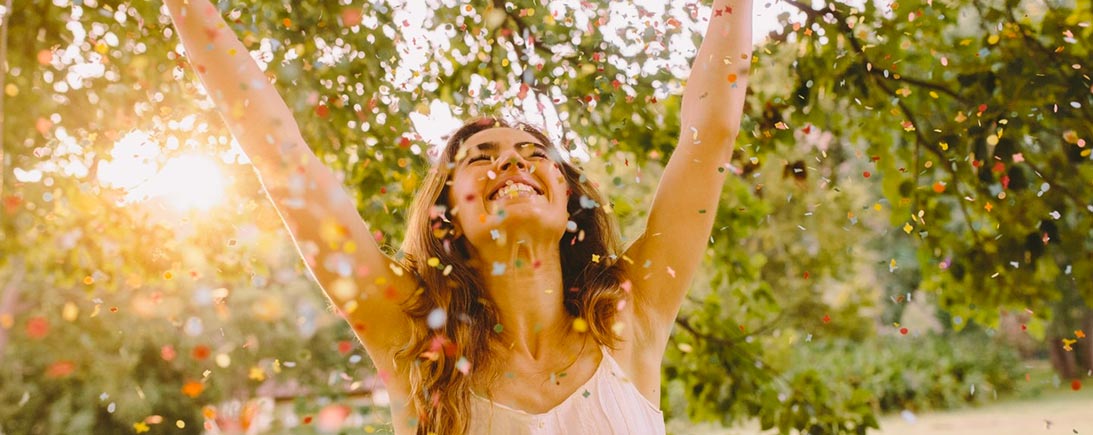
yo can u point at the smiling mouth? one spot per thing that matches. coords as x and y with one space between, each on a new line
515 190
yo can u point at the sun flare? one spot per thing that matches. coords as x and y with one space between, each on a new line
190 182
185 182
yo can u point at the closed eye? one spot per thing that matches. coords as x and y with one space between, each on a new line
480 157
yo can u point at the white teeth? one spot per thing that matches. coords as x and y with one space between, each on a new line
514 189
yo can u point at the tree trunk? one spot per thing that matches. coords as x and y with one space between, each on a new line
1064 362
3 82
1085 345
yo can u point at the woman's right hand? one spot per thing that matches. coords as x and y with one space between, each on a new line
336 244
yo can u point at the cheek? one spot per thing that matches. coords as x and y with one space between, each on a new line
463 191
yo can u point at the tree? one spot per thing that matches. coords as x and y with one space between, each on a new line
976 116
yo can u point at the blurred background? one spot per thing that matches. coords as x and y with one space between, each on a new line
906 245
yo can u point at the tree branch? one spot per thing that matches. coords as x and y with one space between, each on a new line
921 139
817 15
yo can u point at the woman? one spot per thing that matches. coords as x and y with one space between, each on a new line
513 310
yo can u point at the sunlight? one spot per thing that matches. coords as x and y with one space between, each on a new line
189 182
185 182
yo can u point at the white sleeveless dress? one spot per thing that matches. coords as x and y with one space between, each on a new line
607 404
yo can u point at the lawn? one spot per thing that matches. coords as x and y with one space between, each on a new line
1061 411
1041 405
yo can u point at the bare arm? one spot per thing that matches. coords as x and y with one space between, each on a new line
335 243
685 203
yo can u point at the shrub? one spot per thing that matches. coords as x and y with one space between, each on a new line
915 373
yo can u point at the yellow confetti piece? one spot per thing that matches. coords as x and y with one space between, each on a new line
70 312
580 325
11 90
993 39
433 262
907 228
257 374
140 427
944 146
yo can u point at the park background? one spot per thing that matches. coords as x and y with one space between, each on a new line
907 240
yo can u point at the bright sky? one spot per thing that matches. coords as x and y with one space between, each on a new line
440 119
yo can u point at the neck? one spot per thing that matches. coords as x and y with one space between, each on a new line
523 277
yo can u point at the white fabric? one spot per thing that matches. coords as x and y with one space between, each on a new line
607 404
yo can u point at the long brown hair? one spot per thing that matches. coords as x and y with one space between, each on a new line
440 390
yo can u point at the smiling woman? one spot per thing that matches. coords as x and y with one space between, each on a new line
511 307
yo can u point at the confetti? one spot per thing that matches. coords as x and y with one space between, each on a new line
436 319
463 365
580 325
37 327
193 388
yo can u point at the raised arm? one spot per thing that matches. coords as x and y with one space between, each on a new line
335 243
685 203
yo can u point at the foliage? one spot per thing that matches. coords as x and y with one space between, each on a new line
916 373
976 116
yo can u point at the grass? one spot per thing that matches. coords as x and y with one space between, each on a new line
1041 405
1056 412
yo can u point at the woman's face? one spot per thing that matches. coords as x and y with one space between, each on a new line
506 179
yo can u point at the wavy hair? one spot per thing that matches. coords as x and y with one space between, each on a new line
439 390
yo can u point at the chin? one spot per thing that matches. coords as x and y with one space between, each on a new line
526 219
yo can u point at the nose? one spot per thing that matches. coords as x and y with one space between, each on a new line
512 159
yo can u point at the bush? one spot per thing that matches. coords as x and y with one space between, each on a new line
915 373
